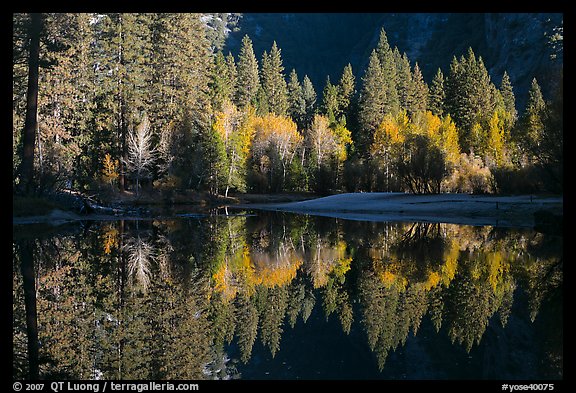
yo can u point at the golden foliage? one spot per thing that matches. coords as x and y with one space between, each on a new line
326 260
276 272
279 130
110 239
109 169
390 274
449 138
432 281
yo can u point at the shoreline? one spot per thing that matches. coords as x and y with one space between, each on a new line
466 209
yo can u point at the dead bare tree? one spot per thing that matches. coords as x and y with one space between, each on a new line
141 154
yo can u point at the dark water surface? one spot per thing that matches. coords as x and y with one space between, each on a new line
282 296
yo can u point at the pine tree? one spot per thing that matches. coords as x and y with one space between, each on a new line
330 100
232 74
404 78
418 97
221 82
507 93
436 94
389 74
452 89
181 112
273 81
371 103
296 102
309 95
346 91
531 130
248 78
509 100
65 102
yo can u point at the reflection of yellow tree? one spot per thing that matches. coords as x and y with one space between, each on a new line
110 238
406 281
327 262
276 270
325 258
174 325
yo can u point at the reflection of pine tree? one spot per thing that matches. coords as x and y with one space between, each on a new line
308 304
181 329
468 310
416 306
330 298
272 317
346 314
507 300
246 326
436 307
223 321
296 296
136 357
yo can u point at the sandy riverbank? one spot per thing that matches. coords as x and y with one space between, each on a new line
451 208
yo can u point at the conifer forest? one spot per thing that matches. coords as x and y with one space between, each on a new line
305 196
141 102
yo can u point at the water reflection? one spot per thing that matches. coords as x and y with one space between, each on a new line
167 299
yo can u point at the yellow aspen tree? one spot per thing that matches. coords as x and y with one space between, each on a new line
449 137
495 143
110 169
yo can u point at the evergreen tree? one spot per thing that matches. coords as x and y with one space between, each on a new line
232 74
181 112
309 95
248 78
531 130
436 94
509 100
389 75
330 100
346 91
65 102
296 101
221 82
404 78
371 103
508 94
453 93
418 97
273 81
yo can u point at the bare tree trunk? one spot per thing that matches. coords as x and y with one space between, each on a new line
29 132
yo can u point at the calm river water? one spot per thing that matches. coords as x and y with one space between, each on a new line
283 296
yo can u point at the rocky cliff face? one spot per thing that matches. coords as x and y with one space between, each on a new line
519 44
320 45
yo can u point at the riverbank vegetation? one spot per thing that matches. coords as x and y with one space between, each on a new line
110 104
